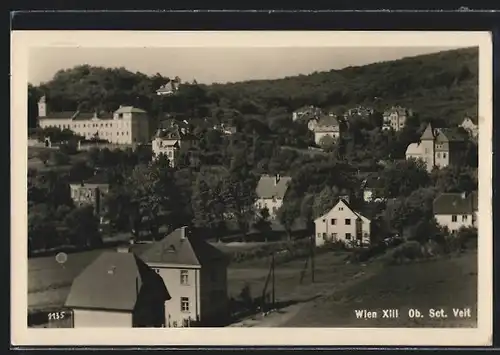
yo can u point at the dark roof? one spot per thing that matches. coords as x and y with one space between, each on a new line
187 250
99 178
171 122
174 132
456 203
268 188
372 181
113 281
327 121
78 115
451 134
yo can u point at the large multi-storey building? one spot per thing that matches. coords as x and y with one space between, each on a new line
438 147
127 125
395 118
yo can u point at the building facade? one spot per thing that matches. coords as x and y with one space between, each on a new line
395 118
456 210
270 192
90 192
117 290
438 147
326 126
343 224
170 139
127 125
196 274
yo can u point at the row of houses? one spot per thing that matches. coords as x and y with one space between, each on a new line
181 280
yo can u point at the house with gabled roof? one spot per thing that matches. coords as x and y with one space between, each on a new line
196 275
270 193
456 210
327 125
127 125
439 147
170 137
306 113
470 124
343 224
117 290
169 88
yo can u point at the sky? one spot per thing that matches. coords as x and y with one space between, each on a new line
208 65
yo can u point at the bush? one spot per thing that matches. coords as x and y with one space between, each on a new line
59 158
362 255
69 148
407 251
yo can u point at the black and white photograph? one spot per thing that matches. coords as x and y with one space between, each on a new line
242 183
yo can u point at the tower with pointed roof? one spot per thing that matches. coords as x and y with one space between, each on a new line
427 146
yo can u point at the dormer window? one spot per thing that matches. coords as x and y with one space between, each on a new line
120 115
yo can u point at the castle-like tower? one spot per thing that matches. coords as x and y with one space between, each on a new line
427 144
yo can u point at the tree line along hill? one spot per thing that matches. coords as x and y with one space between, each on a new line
441 86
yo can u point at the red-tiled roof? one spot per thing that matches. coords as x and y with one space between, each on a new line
455 203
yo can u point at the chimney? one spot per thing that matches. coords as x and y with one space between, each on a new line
184 232
277 179
346 198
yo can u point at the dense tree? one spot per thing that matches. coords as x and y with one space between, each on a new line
401 177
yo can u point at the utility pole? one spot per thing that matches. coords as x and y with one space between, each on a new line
273 280
312 258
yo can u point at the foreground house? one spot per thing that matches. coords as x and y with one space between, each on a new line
196 275
118 290
270 192
439 147
90 192
327 126
455 210
127 125
471 126
343 224
395 118
170 139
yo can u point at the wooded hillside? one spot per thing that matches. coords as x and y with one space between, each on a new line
442 86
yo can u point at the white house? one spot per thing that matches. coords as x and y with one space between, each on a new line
196 274
326 126
270 192
342 223
169 139
455 210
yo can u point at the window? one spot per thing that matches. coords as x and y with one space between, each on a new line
184 304
453 218
464 218
120 115
347 221
84 125
184 277
341 208
439 155
333 221
324 236
101 125
324 220
157 271
334 236
319 235
348 236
